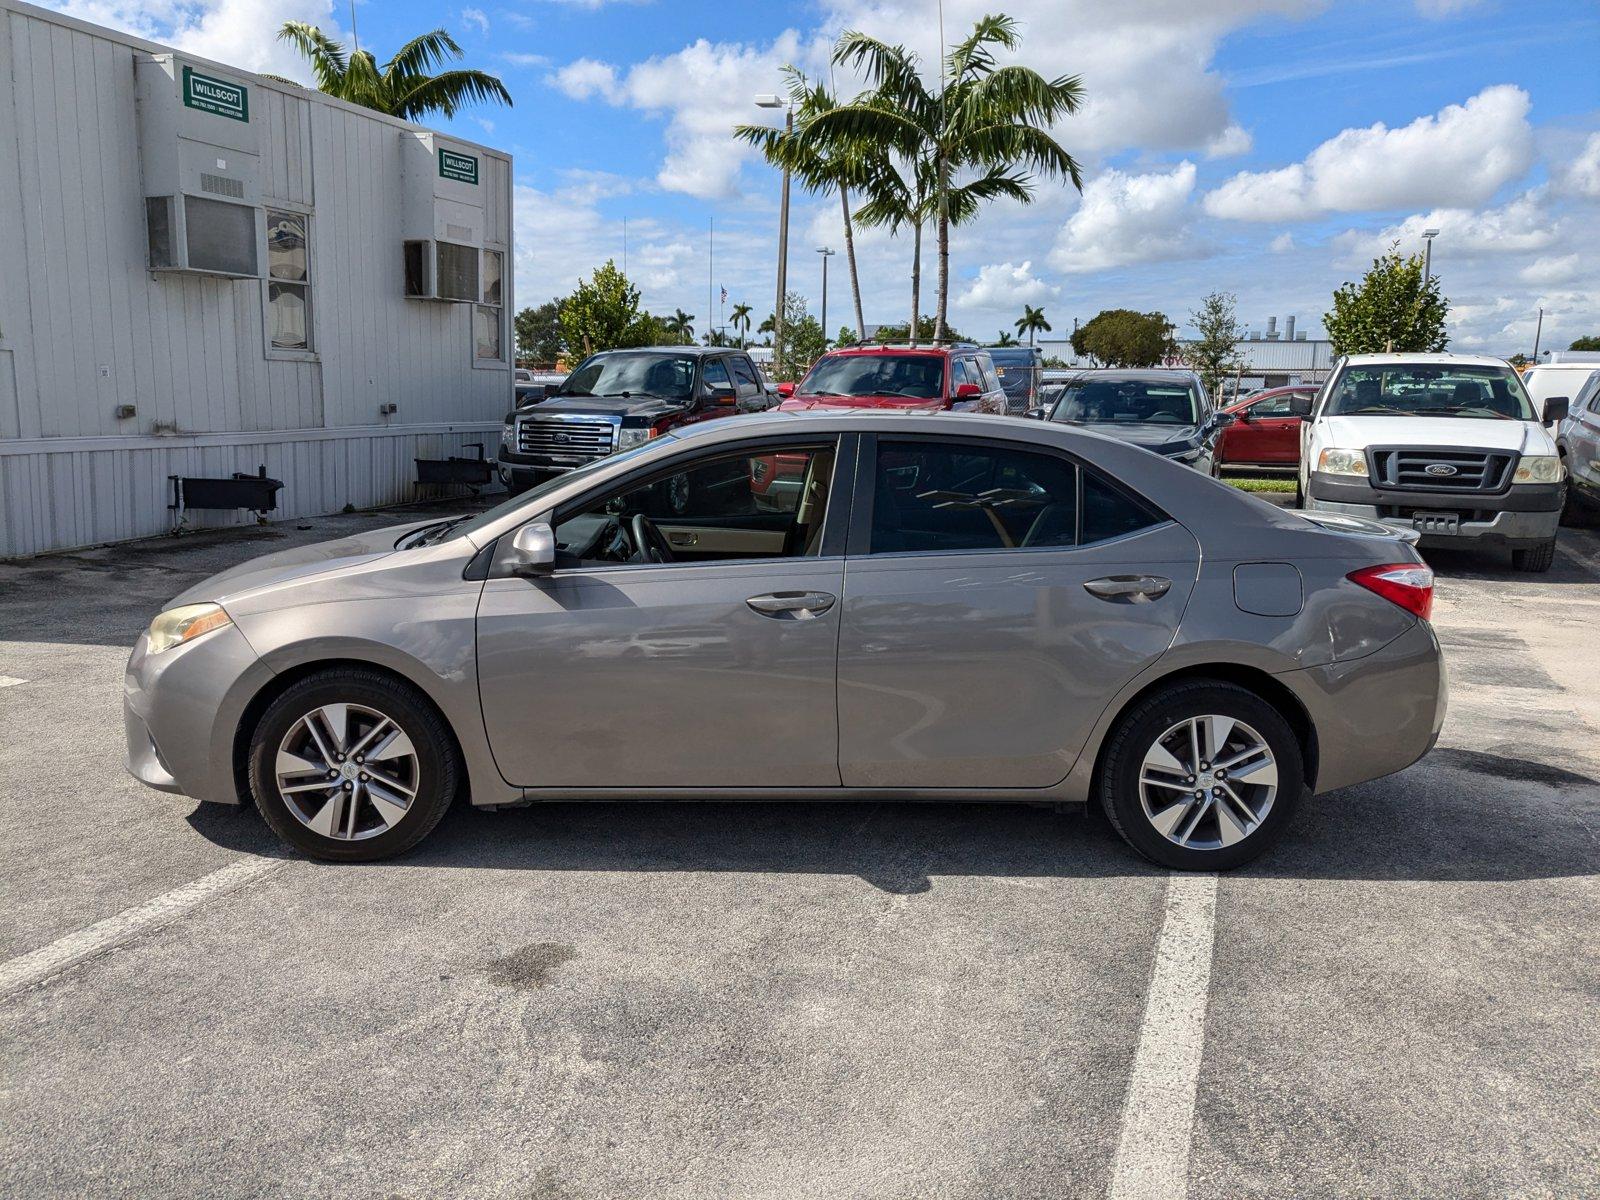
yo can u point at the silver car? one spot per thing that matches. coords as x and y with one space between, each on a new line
834 606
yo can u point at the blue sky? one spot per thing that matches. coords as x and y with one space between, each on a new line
1263 147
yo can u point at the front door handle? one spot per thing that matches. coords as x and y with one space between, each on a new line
1129 589
793 606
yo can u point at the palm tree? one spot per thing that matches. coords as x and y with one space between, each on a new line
403 87
820 165
740 320
986 123
681 325
1032 321
1005 339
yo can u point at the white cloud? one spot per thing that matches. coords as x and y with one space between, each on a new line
1553 270
1282 244
1581 176
519 59
1126 219
1444 8
1005 286
1232 141
476 16
238 33
1521 226
1460 156
586 77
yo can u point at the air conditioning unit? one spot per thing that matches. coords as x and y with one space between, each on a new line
442 216
200 160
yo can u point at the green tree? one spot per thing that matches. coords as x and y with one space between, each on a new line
1120 337
647 329
821 165
847 337
1005 339
1391 309
980 137
740 320
803 339
1212 353
925 325
404 86
602 314
1518 360
1031 322
681 326
538 333
1585 343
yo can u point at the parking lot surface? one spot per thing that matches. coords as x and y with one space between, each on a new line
802 1000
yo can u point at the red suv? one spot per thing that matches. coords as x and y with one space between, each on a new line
924 379
1266 431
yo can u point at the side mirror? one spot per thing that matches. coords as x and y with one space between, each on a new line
724 397
1556 409
1221 420
1242 415
1037 414
533 549
785 390
968 391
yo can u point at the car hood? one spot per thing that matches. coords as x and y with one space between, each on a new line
298 562
908 404
1487 433
603 406
1148 436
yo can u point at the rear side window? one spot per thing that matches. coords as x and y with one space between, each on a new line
1111 513
948 496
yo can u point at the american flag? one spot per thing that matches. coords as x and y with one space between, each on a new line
724 294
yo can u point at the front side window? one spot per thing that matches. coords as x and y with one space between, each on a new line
746 375
633 373
1272 406
288 280
947 496
751 505
716 376
1430 390
1127 401
914 376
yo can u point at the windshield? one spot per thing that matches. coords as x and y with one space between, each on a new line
917 376
1430 390
633 373
1126 401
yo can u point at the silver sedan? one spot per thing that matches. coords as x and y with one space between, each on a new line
834 606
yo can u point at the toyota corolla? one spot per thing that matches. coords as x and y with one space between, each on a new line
939 607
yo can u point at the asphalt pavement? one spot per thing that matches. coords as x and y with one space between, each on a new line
827 1000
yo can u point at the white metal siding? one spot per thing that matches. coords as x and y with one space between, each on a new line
85 327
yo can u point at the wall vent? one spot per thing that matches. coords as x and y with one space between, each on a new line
460 233
221 185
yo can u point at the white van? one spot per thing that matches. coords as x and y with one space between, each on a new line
1448 445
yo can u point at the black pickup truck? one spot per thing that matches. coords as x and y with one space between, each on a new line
619 398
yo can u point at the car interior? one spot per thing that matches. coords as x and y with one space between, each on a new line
743 506
1131 401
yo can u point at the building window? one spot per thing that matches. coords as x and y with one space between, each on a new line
487 317
288 280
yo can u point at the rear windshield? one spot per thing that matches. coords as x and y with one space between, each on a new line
916 376
1430 390
1126 401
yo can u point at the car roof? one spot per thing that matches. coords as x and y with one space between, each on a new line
1457 360
931 351
698 351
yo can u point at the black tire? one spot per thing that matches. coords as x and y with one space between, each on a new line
438 768
1142 726
1299 492
1535 559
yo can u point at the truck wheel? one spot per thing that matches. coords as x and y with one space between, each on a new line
1201 776
1299 492
1535 558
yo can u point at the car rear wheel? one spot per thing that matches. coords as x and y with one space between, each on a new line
1535 558
1202 776
351 765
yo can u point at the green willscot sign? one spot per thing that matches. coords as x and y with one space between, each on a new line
215 95
463 168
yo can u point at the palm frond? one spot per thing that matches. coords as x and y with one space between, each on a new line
325 55
422 54
448 91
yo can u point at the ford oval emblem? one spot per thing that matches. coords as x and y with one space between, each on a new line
564 438
1440 469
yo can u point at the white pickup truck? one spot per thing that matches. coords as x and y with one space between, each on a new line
1448 445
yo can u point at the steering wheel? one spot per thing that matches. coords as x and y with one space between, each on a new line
649 543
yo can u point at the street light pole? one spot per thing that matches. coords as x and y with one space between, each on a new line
826 255
768 100
1427 253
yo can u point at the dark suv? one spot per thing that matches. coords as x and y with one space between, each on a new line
620 398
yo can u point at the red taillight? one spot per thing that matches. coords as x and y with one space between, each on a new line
1410 585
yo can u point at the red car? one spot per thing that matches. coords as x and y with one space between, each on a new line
1266 429
922 380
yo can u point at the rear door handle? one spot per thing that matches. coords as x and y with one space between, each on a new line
793 606
1129 589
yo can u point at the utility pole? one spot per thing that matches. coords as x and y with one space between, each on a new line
826 255
772 101
1538 332
1427 253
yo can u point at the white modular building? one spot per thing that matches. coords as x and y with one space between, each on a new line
206 272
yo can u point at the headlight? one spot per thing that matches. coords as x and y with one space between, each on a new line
507 434
633 437
1539 468
185 623
1336 461
1181 452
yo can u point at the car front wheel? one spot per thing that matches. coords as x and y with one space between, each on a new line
352 765
1202 776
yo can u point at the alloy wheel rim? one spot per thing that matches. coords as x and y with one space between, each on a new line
347 772
1208 782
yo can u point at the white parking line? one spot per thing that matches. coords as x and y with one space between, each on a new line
36 965
1158 1116
10 681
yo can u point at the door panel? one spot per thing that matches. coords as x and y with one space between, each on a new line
661 676
988 670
